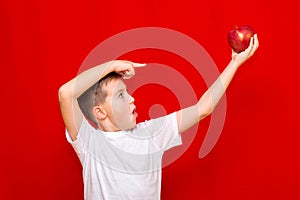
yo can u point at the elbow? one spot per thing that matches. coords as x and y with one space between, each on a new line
61 94
204 114
204 111
64 93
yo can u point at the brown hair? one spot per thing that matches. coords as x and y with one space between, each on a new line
95 95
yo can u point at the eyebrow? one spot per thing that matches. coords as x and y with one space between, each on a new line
121 90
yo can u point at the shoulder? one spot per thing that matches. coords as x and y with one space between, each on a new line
157 123
86 129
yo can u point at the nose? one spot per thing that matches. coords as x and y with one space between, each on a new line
131 99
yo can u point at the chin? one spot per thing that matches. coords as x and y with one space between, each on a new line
132 125
128 126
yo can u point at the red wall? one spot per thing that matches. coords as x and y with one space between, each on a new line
43 44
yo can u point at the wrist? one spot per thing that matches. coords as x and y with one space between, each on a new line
235 63
110 66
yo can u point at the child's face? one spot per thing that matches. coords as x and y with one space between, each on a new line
120 105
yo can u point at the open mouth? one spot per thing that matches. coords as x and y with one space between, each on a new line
134 112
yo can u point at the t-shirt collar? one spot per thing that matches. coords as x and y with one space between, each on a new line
113 135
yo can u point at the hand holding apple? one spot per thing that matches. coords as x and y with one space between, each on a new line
239 38
240 58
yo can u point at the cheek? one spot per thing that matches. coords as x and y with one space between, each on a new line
121 115
120 109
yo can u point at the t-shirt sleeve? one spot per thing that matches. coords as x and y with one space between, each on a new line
163 131
81 142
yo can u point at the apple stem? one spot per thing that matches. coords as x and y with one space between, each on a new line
236 27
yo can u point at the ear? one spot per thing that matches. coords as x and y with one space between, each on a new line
99 112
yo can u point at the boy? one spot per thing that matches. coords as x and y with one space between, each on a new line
122 159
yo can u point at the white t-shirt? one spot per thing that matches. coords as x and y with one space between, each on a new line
125 164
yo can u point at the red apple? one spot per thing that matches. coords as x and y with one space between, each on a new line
239 38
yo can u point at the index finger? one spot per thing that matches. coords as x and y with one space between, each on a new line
138 64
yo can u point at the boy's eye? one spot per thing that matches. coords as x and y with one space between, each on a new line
121 95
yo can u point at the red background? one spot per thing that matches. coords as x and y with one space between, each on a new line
43 44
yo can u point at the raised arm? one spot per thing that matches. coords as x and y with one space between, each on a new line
70 91
189 116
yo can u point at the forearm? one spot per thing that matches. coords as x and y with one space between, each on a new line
189 116
193 114
78 85
212 96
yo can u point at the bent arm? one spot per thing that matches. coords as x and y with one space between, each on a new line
70 91
188 117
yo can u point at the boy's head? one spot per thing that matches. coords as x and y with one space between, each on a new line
108 105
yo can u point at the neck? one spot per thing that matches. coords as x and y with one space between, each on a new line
107 126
